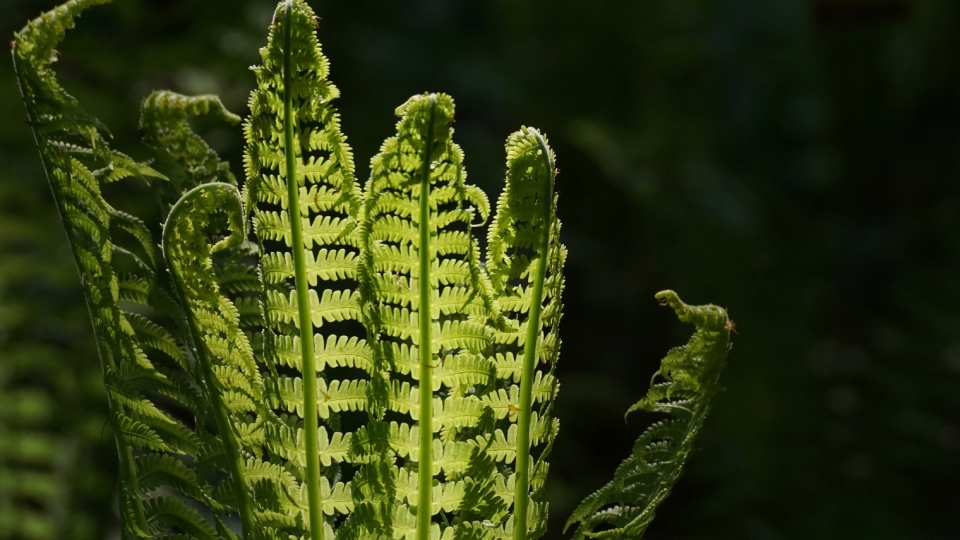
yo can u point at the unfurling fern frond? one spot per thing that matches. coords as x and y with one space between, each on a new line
181 155
212 282
149 381
304 203
624 508
357 373
525 260
426 304
231 378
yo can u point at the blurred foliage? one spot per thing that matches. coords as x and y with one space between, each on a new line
55 476
795 161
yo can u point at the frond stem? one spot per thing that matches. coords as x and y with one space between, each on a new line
425 469
128 466
522 486
310 426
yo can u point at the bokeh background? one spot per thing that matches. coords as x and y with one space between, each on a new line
796 161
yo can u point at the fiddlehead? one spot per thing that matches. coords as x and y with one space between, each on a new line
231 379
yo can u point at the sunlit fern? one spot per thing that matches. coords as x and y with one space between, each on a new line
312 360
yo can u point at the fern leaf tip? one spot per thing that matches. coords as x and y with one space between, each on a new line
708 316
672 299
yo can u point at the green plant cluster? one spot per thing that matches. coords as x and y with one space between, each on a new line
311 358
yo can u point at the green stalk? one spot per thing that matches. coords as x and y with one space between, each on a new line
522 486
425 467
128 466
309 368
230 446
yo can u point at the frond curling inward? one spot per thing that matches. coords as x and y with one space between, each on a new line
624 508
525 259
79 161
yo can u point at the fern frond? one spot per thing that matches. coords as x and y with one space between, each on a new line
214 320
525 262
426 303
79 161
304 203
225 357
624 508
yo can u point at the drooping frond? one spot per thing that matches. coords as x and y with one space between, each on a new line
624 508
304 203
182 155
426 304
525 261
149 381
232 381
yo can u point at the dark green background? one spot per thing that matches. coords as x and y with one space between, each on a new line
794 161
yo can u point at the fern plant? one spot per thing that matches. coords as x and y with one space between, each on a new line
310 358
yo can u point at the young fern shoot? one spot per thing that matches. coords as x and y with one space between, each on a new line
544 173
624 508
525 262
215 322
325 362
